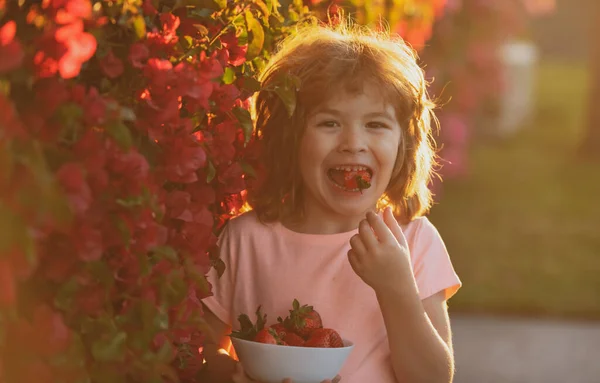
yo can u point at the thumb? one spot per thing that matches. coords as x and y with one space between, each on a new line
239 376
392 224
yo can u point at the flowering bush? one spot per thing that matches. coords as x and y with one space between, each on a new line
463 56
125 144
411 19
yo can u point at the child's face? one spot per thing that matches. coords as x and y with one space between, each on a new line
349 132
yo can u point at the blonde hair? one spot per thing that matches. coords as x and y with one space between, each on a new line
323 59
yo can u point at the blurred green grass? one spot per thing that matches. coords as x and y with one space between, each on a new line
523 230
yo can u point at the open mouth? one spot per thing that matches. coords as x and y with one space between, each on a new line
350 177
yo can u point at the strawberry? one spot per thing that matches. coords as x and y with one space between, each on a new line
292 339
280 329
360 179
324 337
268 336
303 319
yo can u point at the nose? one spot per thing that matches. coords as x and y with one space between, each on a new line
352 140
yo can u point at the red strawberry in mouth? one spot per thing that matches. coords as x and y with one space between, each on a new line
351 178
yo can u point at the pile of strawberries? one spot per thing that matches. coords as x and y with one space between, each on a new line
302 328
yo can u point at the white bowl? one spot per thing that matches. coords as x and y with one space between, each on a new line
270 363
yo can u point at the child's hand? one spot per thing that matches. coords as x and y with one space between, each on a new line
379 253
241 377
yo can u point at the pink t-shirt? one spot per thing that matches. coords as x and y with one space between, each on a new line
270 265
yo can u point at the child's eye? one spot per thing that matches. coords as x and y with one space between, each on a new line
328 124
377 125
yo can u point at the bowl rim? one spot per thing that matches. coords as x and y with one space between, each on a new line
347 344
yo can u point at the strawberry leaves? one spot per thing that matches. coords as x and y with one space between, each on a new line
248 329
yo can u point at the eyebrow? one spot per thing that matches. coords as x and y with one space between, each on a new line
336 112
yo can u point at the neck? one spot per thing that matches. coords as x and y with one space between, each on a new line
317 223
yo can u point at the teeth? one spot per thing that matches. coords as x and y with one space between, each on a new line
343 188
349 168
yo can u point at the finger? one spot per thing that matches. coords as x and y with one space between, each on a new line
356 242
354 261
380 228
336 379
239 376
287 380
366 235
392 223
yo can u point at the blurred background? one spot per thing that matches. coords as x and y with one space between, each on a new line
518 82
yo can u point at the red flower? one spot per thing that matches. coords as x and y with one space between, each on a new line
90 300
159 72
193 85
237 53
165 39
201 192
68 11
9 120
50 93
11 51
50 334
8 288
128 171
177 203
183 156
64 50
94 108
72 179
221 144
111 65
224 96
87 242
148 8
231 178
138 53
210 68
170 23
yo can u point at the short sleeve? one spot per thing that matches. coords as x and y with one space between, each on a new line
221 302
432 266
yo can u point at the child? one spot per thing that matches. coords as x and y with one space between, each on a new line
382 280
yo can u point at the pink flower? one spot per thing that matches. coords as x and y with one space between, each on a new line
11 51
111 65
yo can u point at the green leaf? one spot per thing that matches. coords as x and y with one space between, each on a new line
101 271
222 4
139 26
64 295
202 12
288 97
120 133
187 42
211 172
248 169
127 114
245 120
258 36
166 252
229 76
4 87
251 84
132 201
218 265
264 8
110 350
161 318
165 353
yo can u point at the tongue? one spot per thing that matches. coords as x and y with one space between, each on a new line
338 176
